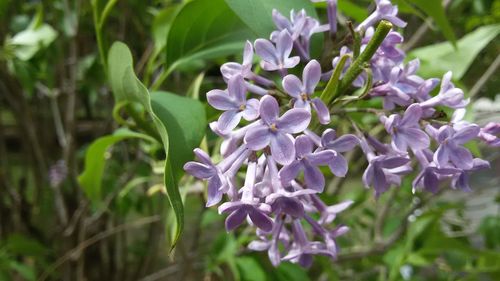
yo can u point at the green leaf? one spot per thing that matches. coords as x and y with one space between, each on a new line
28 42
185 122
91 177
290 272
179 121
19 244
250 269
204 29
257 14
439 58
352 10
436 11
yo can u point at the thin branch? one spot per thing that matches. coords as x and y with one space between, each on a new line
94 239
485 77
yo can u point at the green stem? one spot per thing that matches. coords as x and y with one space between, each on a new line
332 86
357 66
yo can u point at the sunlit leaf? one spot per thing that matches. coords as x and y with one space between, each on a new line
439 58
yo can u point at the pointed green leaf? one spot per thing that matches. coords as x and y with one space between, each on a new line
179 121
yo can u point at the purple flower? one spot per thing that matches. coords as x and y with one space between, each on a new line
405 131
384 11
331 10
461 180
489 134
208 171
391 92
276 58
244 69
448 95
450 146
239 212
302 91
338 164
276 131
302 250
381 171
307 161
234 103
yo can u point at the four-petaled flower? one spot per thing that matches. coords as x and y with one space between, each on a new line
405 131
302 91
208 171
276 57
307 161
276 131
234 103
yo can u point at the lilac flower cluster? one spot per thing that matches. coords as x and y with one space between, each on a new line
270 172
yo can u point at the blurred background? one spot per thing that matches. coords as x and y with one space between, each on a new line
55 101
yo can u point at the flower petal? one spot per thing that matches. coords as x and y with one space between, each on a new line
311 76
289 172
266 51
248 54
321 157
251 111
343 143
303 145
313 177
412 115
466 134
260 220
284 45
221 100
269 109
236 88
228 121
461 157
214 195
235 219
321 110
258 137
199 170
292 85
294 121
282 148
338 166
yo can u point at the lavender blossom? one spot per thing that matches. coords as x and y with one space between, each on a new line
307 161
489 134
234 103
276 131
280 195
384 11
450 146
405 131
301 91
276 57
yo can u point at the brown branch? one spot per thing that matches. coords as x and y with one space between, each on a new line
94 239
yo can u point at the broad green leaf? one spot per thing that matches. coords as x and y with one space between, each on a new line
204 29
436 11
257 14
185 121
439 58
28 42
180 117
91 177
